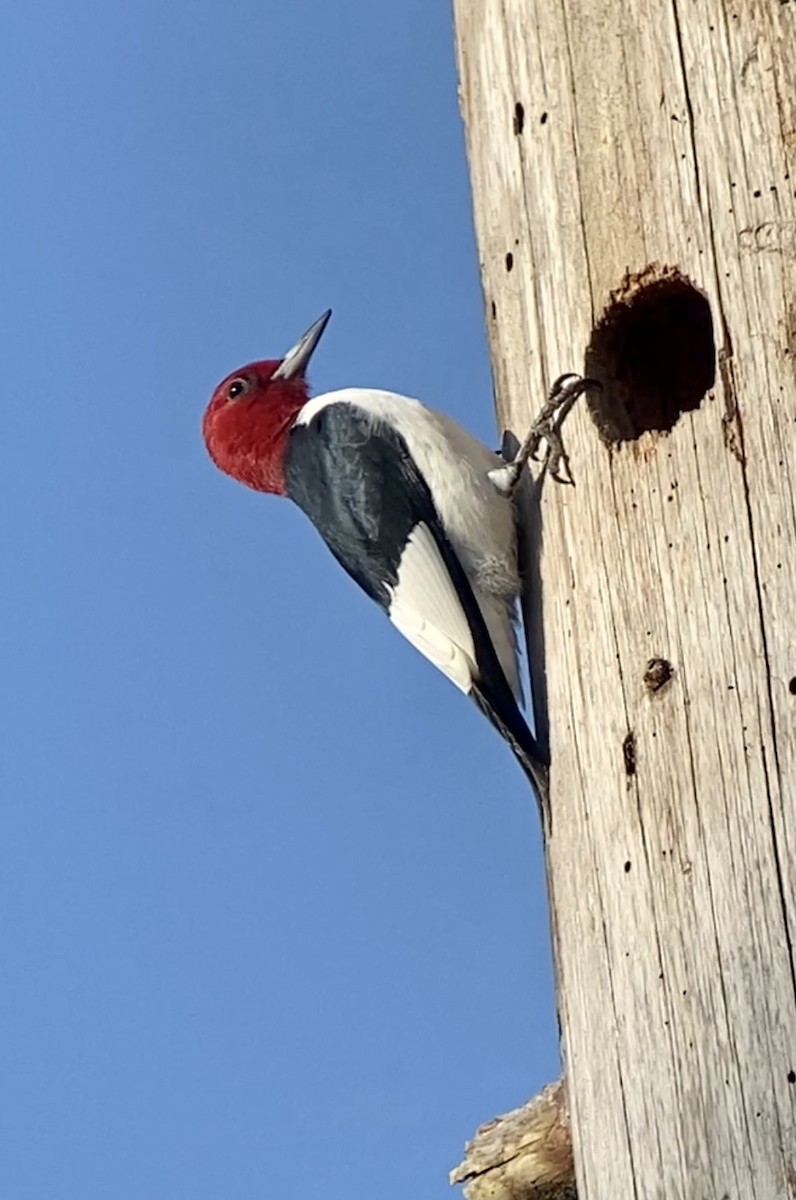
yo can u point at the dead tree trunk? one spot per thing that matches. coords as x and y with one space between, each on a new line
633 170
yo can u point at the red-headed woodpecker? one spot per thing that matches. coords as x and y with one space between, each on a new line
416 510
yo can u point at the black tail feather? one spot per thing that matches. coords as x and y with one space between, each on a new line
512 726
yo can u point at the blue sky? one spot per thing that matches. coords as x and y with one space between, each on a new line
273 913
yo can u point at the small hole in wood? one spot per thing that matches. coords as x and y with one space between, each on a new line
494 310
658 672
543 119
791 1076
654 353
509 261
627 866
519 118
792 686
629 753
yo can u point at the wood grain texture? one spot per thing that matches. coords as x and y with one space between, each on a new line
524 1155
604 139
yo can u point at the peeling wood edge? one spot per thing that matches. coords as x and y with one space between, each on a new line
524 1155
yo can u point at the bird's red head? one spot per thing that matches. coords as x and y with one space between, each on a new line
251 412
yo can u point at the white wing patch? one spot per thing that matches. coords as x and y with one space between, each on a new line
426 609
474 513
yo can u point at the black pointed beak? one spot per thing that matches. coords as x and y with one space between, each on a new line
297 358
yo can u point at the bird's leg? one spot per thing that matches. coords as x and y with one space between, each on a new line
548 424
546 427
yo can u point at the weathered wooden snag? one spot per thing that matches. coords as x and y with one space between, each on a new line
633 178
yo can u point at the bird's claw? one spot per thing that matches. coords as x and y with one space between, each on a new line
546 428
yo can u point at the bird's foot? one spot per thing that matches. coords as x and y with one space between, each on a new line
548 424
547 427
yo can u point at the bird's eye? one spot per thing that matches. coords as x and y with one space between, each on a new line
238 388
